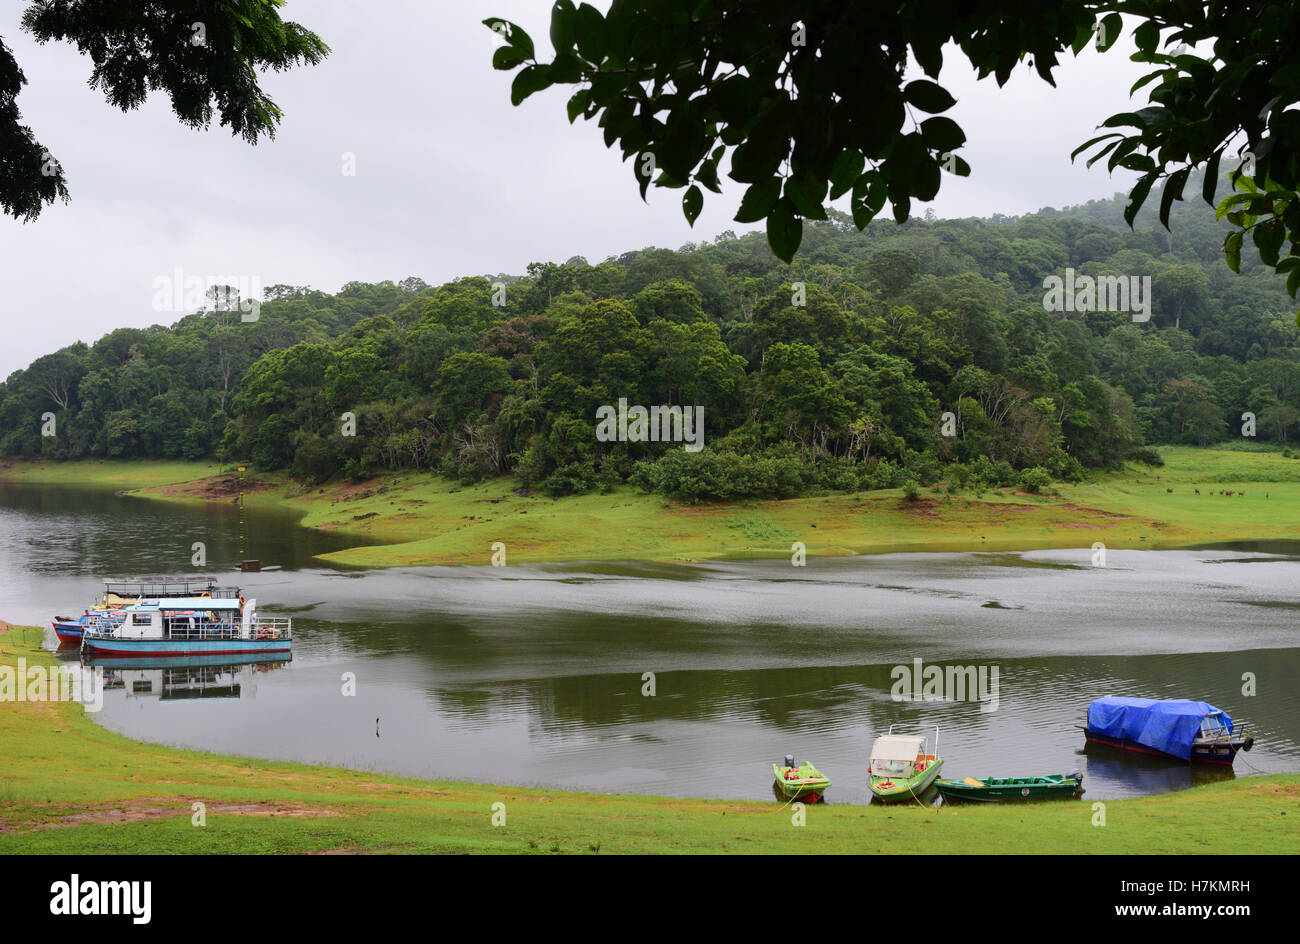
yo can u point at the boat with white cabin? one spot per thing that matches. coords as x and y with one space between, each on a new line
187 626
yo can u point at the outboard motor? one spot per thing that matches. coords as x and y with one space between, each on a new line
1075 774
789 760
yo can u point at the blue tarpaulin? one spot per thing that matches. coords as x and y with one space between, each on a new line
1166 725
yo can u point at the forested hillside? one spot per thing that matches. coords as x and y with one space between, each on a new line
898 325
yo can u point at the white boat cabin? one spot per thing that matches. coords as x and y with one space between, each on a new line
902 755
896 755
192 618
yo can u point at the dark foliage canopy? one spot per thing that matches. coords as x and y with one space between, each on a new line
204 54
812 101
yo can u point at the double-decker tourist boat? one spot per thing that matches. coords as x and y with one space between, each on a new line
1178 728
187 626
118 594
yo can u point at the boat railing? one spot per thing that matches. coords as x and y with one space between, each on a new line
272 627
204 631
104 623
165 587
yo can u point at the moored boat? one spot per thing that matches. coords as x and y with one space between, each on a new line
903 766
997 789
802 782
118 594
1194 731
188 626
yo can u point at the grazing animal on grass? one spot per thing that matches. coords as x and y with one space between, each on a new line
1169 491
1197 491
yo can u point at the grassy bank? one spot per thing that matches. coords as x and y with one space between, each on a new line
70 786
427 520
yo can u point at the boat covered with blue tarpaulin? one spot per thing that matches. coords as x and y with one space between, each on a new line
1177 727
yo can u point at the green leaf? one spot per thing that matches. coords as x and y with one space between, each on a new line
942 133
845 172
707 174
1091 141
807 197
529 80
578 104
692 203
1211 182
562 22
1268 236
784 230
1230 201
590 33
1147 36
1137 196
515 36
1232 250
759 200
1173 191
1111 27
928 96
868 198
507 57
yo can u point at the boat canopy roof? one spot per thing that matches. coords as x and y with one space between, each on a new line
1169 725
902 747
187 603
159 586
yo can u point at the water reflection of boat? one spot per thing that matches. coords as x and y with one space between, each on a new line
1187 730
182 679
1140 775
271 659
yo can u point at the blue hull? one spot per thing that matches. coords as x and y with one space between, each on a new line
184 647
178 661
68 631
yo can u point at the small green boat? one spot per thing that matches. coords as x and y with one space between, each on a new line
902 766
998 789
804 782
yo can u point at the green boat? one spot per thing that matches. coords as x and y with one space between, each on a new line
903 766
999 789
804 782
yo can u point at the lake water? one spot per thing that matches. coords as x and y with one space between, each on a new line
534 675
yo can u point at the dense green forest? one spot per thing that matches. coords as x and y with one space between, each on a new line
899 325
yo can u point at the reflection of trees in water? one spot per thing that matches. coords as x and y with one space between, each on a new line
93 530
1050 691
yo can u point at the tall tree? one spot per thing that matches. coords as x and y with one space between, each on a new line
205 55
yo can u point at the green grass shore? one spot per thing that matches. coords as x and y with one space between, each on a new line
71 786
423 519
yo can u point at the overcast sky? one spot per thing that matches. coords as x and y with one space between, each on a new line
450 179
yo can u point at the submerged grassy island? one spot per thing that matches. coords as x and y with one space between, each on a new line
1200 496
72 786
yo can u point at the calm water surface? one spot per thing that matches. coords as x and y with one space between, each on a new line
534 675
